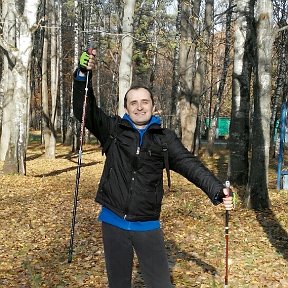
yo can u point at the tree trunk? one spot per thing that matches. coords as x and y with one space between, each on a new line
258 179
1 96
278 94
71 137
19 56
54 67
49 107
155 46
244 42
45 95
174 119
226 63
125 67
188 106
8 18
61 78
199 81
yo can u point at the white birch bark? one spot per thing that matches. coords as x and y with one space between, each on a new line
61 84
125 67
44 90
54 82
8 18
20 52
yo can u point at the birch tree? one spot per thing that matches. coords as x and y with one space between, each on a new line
258 179
23 17
125 67
244 42
61 84
8 39
54 68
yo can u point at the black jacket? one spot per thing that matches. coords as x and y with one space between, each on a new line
132 181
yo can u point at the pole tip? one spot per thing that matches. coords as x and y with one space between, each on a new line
69 258
227 184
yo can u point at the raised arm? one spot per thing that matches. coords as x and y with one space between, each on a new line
96 121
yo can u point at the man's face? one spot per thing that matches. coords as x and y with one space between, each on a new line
139 106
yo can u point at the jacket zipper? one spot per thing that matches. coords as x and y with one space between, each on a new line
133 178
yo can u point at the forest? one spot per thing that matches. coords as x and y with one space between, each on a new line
218 70
203 60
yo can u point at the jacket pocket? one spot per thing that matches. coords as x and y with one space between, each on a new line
104 187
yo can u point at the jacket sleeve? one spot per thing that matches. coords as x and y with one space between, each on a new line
190 167
96 120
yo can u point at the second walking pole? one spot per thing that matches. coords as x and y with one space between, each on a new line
227 184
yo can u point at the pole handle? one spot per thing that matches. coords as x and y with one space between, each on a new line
228 185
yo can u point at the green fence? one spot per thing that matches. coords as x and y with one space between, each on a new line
223 124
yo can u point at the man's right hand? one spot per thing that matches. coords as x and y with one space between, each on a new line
87 61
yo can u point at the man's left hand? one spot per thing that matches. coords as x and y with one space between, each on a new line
228 200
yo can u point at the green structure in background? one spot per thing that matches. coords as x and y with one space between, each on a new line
223 124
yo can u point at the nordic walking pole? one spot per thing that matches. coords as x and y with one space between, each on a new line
227 184
79 163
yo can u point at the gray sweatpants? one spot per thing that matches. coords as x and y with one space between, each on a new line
150 250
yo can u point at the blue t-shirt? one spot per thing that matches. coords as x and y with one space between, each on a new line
109 217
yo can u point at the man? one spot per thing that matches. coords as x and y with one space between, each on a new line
130 191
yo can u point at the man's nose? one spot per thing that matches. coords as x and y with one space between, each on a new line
139 106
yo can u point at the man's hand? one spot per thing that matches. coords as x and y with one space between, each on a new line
87 61
228 199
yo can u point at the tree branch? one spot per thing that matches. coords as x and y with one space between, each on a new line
9 51
282 28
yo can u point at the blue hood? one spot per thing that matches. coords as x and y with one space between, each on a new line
154 120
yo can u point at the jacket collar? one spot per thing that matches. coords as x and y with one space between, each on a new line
155 122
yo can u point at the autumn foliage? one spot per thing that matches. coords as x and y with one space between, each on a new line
35 218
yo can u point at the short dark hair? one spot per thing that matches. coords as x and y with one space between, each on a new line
136 87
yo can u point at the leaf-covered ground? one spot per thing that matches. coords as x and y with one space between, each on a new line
35 220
